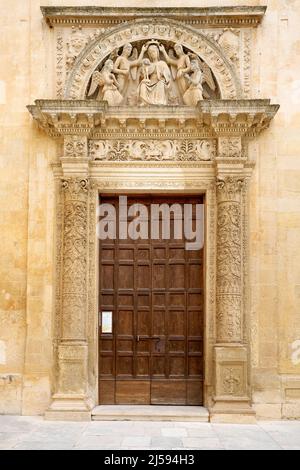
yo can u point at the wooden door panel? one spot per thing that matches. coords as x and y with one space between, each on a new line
194 392
107 391
154 288
129 393
168 392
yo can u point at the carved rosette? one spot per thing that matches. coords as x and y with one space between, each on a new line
229 260
74 275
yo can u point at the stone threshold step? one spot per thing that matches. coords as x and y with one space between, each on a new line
150 413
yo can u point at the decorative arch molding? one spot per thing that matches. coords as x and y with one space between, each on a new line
143 30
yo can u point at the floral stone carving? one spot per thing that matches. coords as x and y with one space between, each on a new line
229 147
229 259
75 147
156 150
74 257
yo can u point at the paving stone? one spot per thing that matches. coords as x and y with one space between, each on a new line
42 445
34 433
202 443
167 442
249 444
99 442
286 439
174 432
202 432
136 441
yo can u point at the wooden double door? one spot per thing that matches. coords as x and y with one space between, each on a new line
153 292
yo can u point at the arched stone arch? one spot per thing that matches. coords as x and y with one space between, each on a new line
173 31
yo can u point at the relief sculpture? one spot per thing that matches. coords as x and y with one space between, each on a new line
157 75
152 150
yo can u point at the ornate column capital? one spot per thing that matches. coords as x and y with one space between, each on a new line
74 188
229 188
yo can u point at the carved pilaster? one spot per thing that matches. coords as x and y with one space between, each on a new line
74 258
232 400
229 260
71 398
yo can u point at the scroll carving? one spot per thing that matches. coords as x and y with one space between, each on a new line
155 150
74 276
229 260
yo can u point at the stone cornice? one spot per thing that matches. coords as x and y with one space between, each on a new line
222 117
235 16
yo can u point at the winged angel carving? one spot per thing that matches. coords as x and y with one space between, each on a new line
176 76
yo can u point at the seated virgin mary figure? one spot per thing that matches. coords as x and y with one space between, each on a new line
153 89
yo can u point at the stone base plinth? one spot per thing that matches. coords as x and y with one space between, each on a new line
232 412
69 408
67 415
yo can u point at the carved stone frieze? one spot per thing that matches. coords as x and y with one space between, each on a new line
152 150
146 184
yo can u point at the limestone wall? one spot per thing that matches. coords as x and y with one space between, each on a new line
27 209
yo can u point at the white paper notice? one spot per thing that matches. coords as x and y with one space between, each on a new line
107 322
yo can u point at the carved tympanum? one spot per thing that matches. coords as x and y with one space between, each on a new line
148 74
